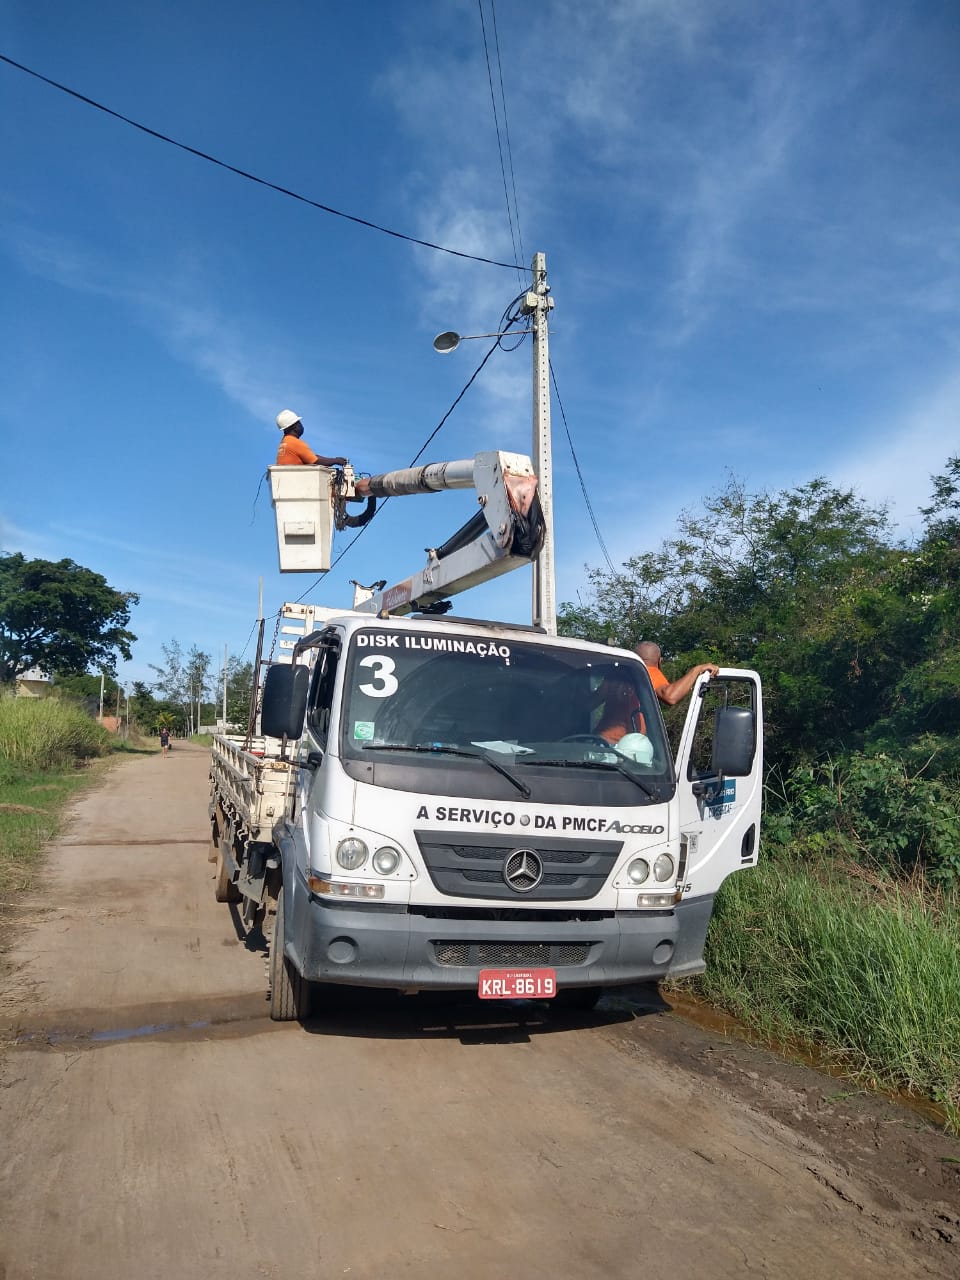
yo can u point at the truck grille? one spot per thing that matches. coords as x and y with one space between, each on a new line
471 865
511 954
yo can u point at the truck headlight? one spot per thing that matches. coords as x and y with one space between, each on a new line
638 870
386 860
352 853
663 867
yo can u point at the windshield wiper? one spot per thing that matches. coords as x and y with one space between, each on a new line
654 794
440 748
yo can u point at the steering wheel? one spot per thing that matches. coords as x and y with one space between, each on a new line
593 739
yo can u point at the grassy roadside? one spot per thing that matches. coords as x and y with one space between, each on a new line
862 972
49 751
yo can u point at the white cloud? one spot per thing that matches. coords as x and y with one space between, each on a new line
248 365
905 452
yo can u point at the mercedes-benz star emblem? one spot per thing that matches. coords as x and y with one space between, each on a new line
523 870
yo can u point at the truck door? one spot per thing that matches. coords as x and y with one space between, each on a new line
720 780
316 731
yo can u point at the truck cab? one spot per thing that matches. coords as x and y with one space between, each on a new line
484 807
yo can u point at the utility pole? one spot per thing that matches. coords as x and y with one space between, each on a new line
101 698
224 688
255 684
537 305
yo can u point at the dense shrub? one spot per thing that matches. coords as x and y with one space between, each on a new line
44 733
876 809
866 972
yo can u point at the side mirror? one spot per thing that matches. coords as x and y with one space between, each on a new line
734 741
284 701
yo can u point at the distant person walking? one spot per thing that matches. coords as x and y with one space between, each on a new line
164 741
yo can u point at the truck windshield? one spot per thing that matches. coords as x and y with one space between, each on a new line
431 712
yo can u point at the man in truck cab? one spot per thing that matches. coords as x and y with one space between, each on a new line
293 450
670 692
621 711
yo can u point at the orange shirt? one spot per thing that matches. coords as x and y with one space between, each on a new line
293 451
657 678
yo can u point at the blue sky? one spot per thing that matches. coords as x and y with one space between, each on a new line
749 213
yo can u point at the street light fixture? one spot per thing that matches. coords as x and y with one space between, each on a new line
449 341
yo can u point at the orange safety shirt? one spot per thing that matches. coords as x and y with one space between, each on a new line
657 678
294 452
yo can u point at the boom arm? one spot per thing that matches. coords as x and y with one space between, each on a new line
506 533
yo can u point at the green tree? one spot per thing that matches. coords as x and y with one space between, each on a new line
239 691
172 682
60 617
780 582
86 688
197 671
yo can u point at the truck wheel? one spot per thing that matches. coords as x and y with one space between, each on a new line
290 994
224 890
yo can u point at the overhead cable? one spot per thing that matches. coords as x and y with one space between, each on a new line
496 125
583 487
252 177
506 131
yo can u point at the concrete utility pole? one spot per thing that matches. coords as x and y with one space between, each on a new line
538 304
100 717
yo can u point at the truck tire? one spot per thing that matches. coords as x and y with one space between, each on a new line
224 890
290 994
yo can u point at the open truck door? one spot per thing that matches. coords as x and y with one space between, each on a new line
720 780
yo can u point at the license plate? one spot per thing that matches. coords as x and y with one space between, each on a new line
517 984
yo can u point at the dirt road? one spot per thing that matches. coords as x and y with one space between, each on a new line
154 1122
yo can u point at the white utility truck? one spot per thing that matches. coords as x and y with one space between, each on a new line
446 803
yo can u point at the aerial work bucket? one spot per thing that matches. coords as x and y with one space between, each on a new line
301 500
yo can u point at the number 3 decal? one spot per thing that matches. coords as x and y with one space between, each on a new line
384 681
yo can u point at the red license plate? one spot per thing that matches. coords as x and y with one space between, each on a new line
517 984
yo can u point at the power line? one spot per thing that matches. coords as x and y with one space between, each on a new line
583 487
496 125
252 177
506 130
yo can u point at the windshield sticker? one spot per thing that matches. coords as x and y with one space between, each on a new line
384 683
363 730
433 644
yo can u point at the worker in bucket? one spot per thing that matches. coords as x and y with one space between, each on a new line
293 450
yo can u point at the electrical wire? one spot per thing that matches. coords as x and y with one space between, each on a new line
249 637
252 177
583 487
496 125
506 130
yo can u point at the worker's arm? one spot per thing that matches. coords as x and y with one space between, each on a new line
329 462
673 693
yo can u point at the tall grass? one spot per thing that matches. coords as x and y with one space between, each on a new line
867 974
45 733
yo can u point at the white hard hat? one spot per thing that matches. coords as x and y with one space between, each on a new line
636 747
286 418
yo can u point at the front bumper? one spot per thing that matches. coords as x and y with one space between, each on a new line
373 947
